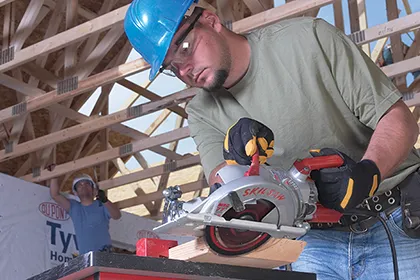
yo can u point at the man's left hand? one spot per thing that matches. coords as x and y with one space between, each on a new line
347 186
101 196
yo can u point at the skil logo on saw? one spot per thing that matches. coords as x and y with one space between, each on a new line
221 207
264 191
53 211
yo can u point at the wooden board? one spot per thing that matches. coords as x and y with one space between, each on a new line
274 253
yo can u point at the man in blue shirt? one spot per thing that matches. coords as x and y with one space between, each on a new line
90 217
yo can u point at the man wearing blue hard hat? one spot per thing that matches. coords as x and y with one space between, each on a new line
305 84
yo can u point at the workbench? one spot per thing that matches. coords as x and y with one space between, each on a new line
111 266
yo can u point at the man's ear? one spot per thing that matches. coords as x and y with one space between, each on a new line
211 19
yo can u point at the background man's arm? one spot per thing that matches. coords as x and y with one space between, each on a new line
59 198
114 212
393 139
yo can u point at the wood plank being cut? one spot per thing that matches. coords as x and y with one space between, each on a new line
274 253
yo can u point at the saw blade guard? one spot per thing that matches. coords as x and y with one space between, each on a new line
260 204
248 190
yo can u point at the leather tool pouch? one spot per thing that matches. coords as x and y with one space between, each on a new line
410 204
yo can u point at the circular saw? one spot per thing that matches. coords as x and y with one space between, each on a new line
253 204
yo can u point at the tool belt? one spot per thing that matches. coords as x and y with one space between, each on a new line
387 203
406 195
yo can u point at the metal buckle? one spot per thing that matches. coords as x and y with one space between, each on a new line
354 230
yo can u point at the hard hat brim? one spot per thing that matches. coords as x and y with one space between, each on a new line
156 67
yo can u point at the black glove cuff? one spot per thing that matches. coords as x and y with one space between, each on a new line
371 167
102 196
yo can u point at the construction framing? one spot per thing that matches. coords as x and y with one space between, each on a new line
63 86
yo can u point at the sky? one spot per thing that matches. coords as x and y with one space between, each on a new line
164 85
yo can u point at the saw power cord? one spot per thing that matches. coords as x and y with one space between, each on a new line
365 213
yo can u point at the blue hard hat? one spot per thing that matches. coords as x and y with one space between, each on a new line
150 26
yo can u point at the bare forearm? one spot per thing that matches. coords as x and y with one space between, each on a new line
394 137
113 210
54 188
56 195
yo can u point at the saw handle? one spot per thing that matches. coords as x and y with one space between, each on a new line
305 166
254 168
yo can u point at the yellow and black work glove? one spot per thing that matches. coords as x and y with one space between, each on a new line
244 138
345 187
102 196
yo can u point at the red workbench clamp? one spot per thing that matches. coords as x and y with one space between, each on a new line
157 248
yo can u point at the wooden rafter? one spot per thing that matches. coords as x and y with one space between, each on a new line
110 154
76 152
391 70
66 38
363 24
34 13
70 57
415 46
353 15
275 14
136 186
25 120
5 2
230 11
402 67
85 68
80 57
139 200
107 6
91 83
258 6
393 27
338 15
136 66
149 95
6 27
396 43
163 182
73 115
97 124
108 20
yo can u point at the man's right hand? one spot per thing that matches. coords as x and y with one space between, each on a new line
244 138
347 186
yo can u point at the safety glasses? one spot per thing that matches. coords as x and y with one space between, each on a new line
182 50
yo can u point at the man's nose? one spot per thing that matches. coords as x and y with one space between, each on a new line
184 69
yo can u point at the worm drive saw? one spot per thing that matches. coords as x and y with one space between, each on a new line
254 203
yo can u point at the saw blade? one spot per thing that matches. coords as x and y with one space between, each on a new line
231 242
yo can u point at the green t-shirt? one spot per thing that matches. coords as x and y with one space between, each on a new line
312 86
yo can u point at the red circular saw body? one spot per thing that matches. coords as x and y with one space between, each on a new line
230 241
